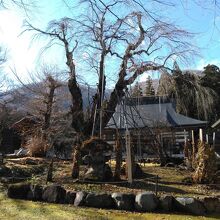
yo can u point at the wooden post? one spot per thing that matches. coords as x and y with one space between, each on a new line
156 185
128 151
207 138
193 138
213 136
118 156
185 137
173 143
200 135
193 148
139 152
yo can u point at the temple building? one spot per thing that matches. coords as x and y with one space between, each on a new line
153 120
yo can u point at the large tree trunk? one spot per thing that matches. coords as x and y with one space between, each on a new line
97 101
77 105
115 97
49 102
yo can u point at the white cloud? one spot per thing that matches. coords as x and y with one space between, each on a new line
202 63
152 74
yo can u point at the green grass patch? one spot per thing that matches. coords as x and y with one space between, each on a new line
11 209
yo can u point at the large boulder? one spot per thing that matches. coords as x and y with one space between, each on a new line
70 197
54 194
35 193
104 201
167 203
124 201
212 204
80 198
18 191
146 202
189 205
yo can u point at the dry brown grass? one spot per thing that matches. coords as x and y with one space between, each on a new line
37 146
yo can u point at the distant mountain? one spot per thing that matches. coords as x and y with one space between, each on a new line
21 98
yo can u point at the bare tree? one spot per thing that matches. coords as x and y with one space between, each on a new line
138 41
25 5
41 86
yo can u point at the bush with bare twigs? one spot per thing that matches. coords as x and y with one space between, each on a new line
37 146
205 171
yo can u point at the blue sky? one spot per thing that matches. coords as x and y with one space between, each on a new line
23 55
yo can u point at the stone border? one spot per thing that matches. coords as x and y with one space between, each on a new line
142 202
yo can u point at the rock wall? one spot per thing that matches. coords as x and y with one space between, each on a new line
142 202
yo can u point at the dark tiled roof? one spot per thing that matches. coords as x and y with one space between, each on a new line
151 112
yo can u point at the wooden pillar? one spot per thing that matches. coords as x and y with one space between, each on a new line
193 137
118 156
200 135
185 136
173 142
128 154
194 149
213 136
207 138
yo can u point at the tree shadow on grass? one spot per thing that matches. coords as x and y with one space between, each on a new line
147 186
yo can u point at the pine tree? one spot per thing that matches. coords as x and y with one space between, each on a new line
149 89
136 91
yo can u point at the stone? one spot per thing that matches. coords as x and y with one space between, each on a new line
166 203
22 152
212 204
80 198
97 153
170 165
104 201
30 161
18 191
54 194
189 205
35 193
124 201
146 202
5 171
70 197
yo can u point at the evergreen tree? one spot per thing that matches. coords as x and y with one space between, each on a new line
149 89
211 79
137 90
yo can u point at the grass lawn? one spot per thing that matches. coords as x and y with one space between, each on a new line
20 209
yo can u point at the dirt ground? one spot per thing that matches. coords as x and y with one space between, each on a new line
170 179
